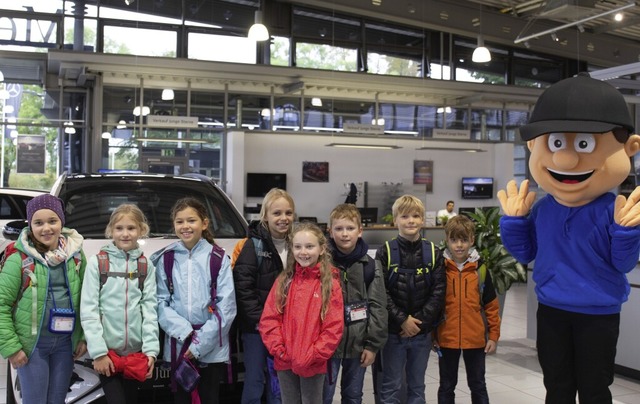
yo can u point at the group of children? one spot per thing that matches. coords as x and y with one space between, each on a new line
326 305
307 304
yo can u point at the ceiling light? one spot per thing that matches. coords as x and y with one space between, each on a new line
266 112
68 128
145 111
618 17
581 28
1 76
129 2
121 124
167 94
527 44
364 146
554 37
446 110
106 135
468 150
379 121
316 102
258 32
481 54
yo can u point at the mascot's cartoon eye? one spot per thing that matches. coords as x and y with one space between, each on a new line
557 142
584 142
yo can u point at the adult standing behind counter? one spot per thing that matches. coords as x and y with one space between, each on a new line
446 214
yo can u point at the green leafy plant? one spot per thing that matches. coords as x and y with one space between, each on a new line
388 218
504 269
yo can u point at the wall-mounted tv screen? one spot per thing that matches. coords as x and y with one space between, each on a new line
477 188
258 184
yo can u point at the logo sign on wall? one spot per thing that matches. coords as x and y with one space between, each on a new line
30 154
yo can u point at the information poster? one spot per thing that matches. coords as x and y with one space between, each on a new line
423 173
30 154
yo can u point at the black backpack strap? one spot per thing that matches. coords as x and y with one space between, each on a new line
142 271
167 260
369 271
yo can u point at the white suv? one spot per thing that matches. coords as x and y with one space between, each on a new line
89 200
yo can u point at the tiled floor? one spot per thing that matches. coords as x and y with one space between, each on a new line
513 373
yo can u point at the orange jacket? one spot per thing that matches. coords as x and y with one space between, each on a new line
463 327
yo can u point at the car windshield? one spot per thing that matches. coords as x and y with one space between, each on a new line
88 209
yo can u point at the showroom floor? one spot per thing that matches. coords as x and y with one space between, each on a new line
513 373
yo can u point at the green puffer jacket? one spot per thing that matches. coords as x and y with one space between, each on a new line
18 331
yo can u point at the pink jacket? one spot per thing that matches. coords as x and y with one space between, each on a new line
298 339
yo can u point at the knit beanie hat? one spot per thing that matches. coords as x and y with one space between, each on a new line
46 201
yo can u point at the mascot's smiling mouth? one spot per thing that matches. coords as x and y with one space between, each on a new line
569 178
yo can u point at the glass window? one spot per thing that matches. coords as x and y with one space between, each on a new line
280 50
140 41
315 56
380 63
286 114
221 48
326 26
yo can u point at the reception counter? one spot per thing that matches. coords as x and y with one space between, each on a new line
376 235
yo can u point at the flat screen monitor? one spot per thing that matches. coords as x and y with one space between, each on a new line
369 215
477 188
258 184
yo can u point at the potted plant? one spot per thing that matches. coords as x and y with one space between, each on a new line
388 219
504 269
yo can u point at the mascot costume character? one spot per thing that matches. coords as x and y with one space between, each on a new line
583 238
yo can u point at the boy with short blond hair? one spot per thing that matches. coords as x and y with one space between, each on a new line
470 293
414 277
365 305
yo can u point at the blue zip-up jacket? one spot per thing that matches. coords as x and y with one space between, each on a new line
190 301
581 255
119 315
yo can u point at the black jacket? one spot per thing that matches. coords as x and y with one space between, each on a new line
425 301
252 283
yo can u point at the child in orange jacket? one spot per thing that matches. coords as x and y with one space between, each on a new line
463 330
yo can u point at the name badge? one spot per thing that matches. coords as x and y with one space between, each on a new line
62 321
356 311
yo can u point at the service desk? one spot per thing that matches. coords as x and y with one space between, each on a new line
376 235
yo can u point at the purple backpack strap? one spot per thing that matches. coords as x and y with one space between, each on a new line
167 260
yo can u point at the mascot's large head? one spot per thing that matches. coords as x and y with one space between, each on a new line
581 139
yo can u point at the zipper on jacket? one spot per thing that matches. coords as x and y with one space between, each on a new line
126 304
460 295
189 269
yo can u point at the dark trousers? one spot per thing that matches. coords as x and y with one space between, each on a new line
474 363
577 354
119 390
208 387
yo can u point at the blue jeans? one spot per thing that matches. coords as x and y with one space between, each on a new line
408 355
474 363
351 382
47 375
255 367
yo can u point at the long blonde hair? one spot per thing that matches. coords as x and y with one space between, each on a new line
326 270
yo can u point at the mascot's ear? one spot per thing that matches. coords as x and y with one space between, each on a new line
530 143
632 145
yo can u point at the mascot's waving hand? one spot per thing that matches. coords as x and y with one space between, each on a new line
582 237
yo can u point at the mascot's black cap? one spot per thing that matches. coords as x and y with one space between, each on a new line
578 104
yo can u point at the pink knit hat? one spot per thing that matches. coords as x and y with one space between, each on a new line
46 201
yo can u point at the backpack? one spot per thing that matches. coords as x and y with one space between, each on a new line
257 245
393 261
215 263
103 269
28 278
369 270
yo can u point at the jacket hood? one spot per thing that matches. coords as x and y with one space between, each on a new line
473 255
111 249
74 243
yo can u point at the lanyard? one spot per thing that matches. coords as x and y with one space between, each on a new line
66 280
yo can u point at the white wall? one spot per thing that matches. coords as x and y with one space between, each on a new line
284 153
